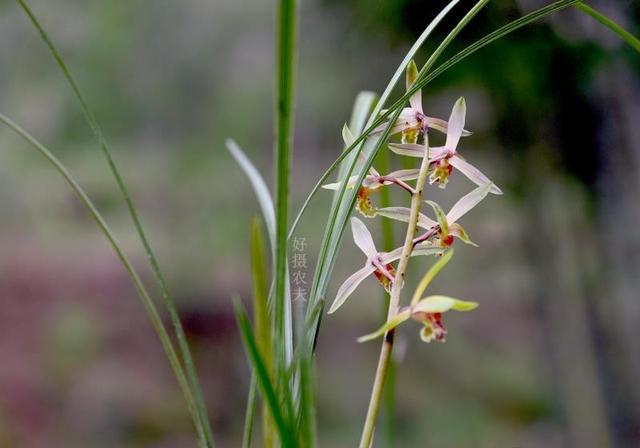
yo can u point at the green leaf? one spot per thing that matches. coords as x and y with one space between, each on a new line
613 26
286 58
433 271
247 434
262 376
261 317
259 187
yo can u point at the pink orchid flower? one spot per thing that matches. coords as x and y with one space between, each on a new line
429 312
445 158
373 181
378 263
412 121
446 226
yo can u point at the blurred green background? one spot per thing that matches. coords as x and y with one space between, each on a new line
551 358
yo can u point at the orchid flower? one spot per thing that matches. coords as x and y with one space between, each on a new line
412 121
378 263
372 181
446 226
445 158
428 311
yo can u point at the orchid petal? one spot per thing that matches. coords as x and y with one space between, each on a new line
402 214
442 219
389 325
422 249
456 230
350 285
473 173
440 304
347 136
410 174
336 185
441 125
407 149
437 153
456 124
362 238
467 202
412 75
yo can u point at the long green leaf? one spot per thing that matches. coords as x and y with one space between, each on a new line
148 304
155 267
262 376
625 35
259 187
247 433
262 318
286 59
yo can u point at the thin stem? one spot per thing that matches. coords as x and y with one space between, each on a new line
287 15
387 344
148 304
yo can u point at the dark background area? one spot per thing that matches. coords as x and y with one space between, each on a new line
550 358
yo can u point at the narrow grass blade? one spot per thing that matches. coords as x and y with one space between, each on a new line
266 206
259 187
247 433
613 26
286 59
155 267
262 319
264 382
148 304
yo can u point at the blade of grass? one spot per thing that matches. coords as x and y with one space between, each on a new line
155 267
148 304
259 187
247 433
266 386
262 318
613 26
286 59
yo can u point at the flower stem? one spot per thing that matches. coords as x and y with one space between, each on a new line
387 344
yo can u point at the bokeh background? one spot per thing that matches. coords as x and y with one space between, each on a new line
551 358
